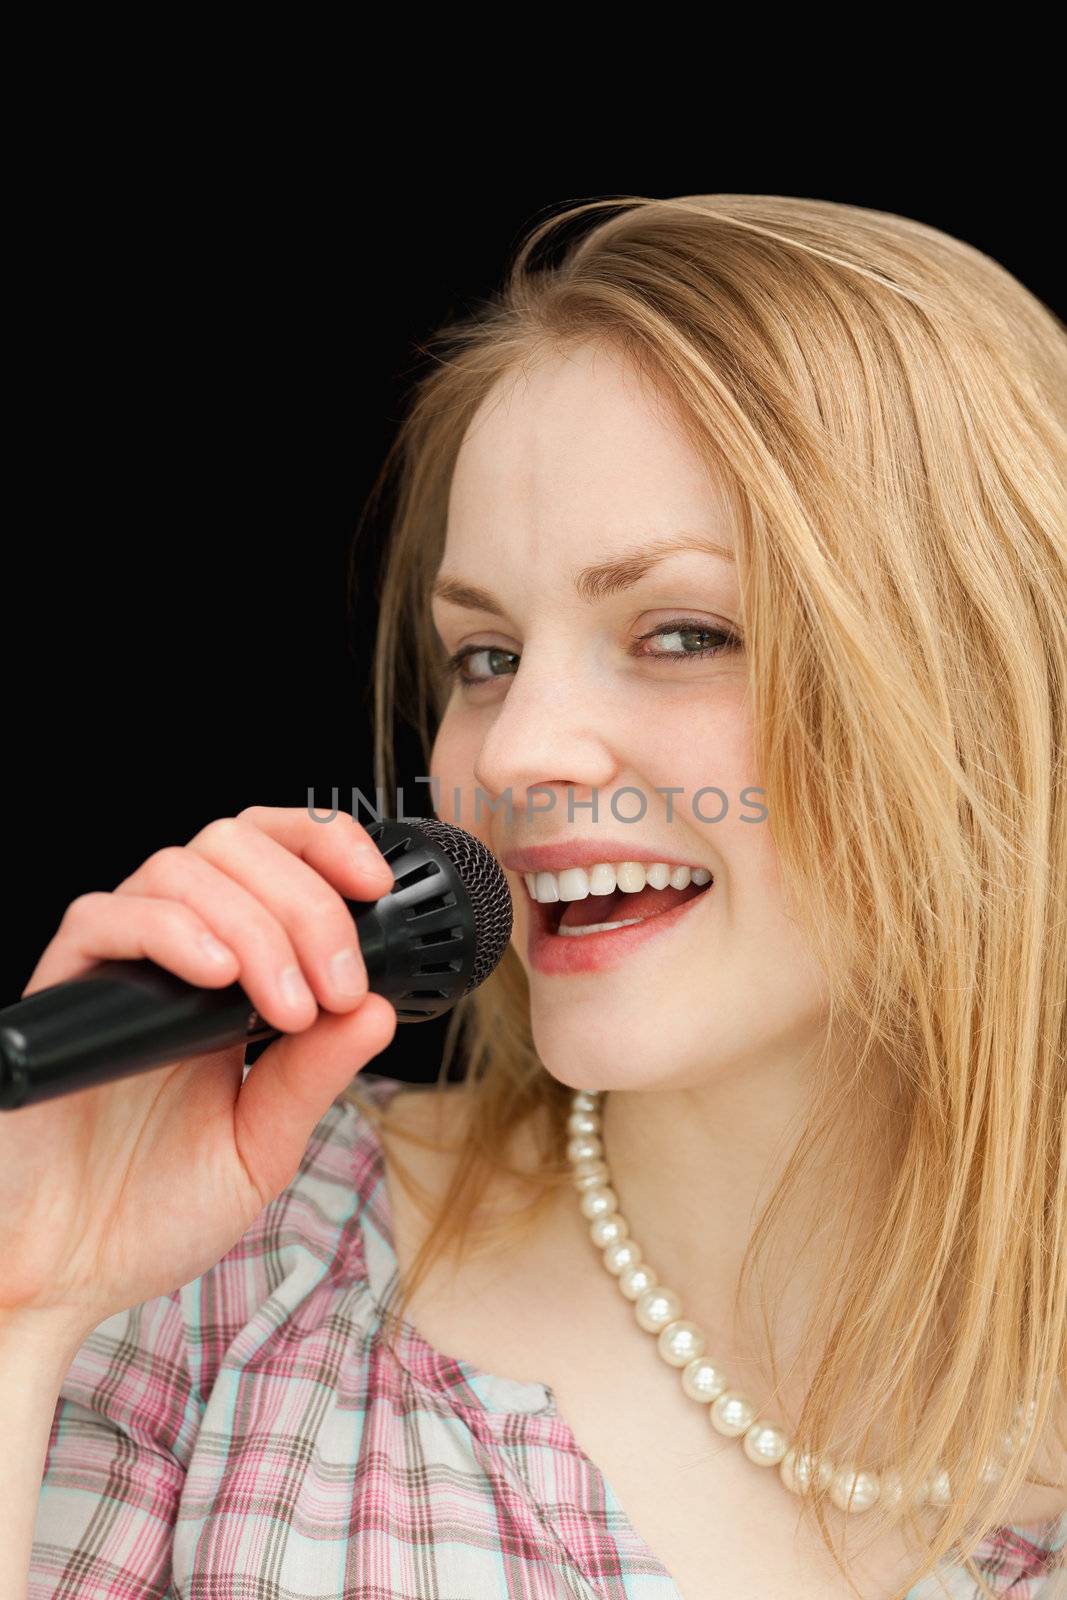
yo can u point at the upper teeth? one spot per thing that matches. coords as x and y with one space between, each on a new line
575 883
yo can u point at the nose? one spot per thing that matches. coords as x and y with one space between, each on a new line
550 730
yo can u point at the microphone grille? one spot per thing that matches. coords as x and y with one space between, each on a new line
486 886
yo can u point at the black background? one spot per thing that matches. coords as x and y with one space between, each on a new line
215 351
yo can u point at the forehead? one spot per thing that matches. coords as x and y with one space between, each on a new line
576 449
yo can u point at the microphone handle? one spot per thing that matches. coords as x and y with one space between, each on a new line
124 1017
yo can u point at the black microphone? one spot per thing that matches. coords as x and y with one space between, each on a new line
436 935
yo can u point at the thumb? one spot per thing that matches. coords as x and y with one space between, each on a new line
293 1083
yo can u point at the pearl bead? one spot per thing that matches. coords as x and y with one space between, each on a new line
680 1342
991 1470
598 1202
1022 1426
620 1256
765 1443
656 1307
854 1491
799 1470
635 1279
584 1148
608 1229
580 1122
703 1380
938 1492
732 1414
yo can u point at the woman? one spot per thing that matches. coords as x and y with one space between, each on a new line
726 544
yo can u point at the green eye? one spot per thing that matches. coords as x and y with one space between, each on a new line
683 628
454 664
687 628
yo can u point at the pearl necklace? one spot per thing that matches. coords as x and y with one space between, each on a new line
681 1343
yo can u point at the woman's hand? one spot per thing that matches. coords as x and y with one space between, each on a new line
128 1190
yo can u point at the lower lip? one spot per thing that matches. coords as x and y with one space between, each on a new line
558 954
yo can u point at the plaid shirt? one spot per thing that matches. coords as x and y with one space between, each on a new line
250 1437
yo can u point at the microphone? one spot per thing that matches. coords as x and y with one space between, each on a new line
436 935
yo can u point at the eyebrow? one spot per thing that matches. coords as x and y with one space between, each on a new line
592 583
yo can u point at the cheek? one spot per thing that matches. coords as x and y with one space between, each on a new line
705 744
452 762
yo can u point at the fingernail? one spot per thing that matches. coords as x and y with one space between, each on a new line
214 948
346 972
293 987
372 860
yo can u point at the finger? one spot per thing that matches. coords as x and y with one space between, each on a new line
290 1087
300 894
269 965
340 849
97 927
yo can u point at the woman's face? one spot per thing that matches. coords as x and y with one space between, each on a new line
591 690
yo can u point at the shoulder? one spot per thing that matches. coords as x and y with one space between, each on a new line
312 1237
425 1137
426 1128
437 1116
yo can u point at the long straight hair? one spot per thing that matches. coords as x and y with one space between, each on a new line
885 408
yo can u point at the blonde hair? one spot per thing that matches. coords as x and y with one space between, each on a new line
885 407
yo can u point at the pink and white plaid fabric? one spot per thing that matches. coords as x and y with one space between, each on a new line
250 1437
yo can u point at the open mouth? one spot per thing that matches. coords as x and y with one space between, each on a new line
604 913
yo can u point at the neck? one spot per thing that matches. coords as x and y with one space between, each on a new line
693 1169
